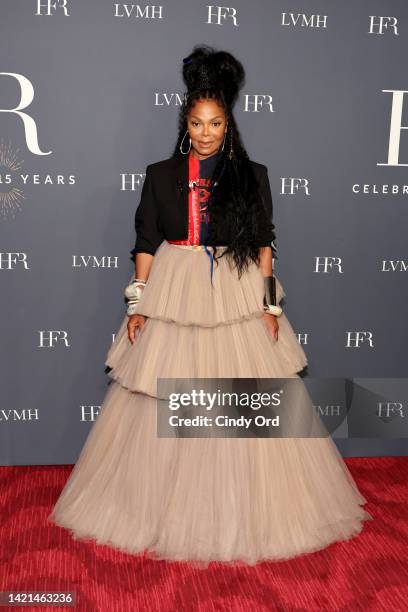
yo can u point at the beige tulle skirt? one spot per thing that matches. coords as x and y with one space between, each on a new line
235 500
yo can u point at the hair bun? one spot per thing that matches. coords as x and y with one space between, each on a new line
206 69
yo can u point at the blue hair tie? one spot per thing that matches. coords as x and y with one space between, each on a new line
209 253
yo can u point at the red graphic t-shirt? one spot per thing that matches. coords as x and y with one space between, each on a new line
200 182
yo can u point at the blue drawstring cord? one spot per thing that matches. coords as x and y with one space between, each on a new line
209 253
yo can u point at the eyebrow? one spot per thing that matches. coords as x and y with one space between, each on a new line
212 119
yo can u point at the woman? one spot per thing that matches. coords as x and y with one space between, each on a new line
204 302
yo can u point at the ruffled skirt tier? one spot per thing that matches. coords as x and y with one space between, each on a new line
235 500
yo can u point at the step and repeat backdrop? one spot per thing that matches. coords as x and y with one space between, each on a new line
90 93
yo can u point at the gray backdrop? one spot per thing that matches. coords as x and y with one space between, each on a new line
96 88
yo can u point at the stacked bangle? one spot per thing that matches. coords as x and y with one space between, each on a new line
270 305
133 294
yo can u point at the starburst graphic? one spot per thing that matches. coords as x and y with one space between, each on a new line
10 196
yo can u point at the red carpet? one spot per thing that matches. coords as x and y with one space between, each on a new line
369 572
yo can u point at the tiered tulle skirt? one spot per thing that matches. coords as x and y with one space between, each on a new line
236 500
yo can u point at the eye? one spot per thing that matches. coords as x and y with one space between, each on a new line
217 123
195 123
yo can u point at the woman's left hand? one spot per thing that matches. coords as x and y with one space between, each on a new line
272 324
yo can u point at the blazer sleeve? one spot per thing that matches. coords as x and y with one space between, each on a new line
268 232
147 222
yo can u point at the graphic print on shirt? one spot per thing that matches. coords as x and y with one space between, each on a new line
204 191
199 174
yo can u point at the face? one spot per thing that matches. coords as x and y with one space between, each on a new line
207 125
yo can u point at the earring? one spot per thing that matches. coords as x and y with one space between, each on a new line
231 153
181 144
223 143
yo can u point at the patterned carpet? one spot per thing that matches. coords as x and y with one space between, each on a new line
369 572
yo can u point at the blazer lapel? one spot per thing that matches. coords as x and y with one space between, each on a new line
181 171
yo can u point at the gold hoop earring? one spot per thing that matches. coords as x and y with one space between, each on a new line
181 145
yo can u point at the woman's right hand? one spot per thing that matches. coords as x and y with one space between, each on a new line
272 324
135 321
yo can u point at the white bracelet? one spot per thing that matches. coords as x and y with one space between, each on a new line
133 293
272 309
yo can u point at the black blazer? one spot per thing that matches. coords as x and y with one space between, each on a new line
162 213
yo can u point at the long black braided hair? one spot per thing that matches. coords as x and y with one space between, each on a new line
235 201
